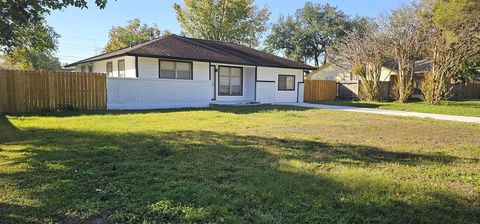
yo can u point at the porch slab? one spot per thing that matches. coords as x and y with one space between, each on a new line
232 103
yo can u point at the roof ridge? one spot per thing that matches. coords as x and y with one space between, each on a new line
218 41
191 40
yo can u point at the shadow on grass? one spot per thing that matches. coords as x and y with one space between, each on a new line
200 176
250 109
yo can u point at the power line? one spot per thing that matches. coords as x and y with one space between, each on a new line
81 38
76 45
69 56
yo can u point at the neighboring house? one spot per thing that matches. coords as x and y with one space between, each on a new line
339 73
175 71
421 67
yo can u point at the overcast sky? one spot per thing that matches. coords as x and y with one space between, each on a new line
85 32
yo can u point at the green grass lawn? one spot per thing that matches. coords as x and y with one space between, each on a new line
255 164
463 108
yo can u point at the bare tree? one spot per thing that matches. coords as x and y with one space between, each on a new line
363 51
404 42
447 50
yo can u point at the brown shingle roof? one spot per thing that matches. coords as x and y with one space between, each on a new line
421 66
177 47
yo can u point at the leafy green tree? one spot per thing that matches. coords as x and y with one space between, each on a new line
467 70
133 33
238 21
457 16
18 17
39 56
284 37
32 59
308 34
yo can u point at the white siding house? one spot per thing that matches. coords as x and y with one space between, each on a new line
148 81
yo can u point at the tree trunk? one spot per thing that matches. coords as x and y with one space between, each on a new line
316 61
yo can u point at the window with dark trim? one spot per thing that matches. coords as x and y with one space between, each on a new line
286 82
230 81
109 69
121 68
175 69
82 68
90 68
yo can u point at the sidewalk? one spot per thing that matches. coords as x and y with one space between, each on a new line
388 112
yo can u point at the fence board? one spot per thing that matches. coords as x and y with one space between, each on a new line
320 90
33 91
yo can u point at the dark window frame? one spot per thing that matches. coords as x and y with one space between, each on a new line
124 69
106 69
241 81
90 68
82 68
175 61
286 89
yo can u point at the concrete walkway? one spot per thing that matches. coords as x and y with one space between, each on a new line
387 112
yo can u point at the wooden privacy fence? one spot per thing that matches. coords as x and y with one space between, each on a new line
469 90
348 89
320 90
32 91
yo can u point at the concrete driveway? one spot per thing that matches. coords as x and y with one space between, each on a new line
388 112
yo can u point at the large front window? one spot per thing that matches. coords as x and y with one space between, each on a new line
175 70
230 81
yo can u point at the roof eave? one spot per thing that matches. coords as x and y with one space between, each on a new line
306 67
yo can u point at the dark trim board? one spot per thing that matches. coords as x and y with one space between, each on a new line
209 71
255 88
136 66
214 82
180 58
212 61
265 81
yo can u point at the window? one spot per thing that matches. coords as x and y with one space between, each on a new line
330 78
121 68
90 68
82 69
109 69
286 82
416 88
175 70
230 81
